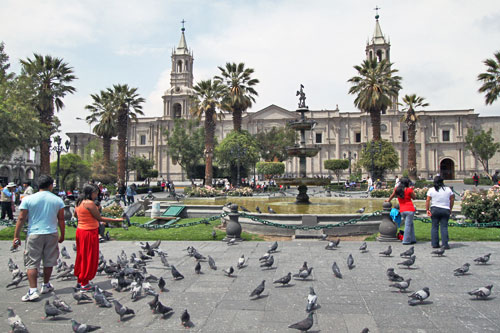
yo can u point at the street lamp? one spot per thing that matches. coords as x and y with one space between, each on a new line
19 161
59 149
372 152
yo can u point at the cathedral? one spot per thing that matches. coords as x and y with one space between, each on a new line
440 141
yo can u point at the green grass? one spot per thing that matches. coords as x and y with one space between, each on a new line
200 232
456 234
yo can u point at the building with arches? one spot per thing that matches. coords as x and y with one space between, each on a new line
22 166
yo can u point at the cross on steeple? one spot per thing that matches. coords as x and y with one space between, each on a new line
376 11
183 21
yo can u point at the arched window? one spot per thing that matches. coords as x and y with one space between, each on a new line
177 110
371 55
179 66
30 174
379 55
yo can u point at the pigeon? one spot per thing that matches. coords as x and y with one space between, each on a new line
387 252
363 247
107 236
304 267
12 265
176 274
232 241
100 299
64 253
161 284
197 268
304 325
361 210
336 242
152 304
82 328
74 247
273 247
67 273
482 292
244 209
50 310
483 260
408 262
402 286
156 244
336 270
214 235
162 309
136 291
241 262
258 210
122 310
324 236
350 261
270 210
257 291
419 296
198 256
79 296
265 256
304 274
462 270
211 263
164 261
15 322
268 263
330 246
285 279
60 304
311 300
16 280
185 318
229 272
439 252
408 253
365 330
393 276
143 256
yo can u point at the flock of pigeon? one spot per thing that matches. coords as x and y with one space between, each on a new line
129 274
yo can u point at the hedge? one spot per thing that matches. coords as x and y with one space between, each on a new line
482 181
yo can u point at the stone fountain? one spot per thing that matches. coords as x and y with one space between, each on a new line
302 151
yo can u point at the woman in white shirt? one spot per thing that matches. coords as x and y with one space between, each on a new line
439 204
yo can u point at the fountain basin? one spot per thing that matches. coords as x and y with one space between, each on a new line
303 151
302 124
303 181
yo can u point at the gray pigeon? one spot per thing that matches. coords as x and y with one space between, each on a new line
232 241
161 284
122 310
135 291
229 272
270 210
12 265
312 298
409 252
482 292
350 261
60 304
175 273
258 291
336 270
152 304
304 273
100 299
268 263
258 210
50 310
164 260
402 286
197 268
64 253
304 325
214 235
244 209
273 247
462 270
330 246
74 247
185 318
393 276
15 322
211 263
483 260
82 328
324 236
439 252
284 280
387 252
162 309
419 296
408 262
363 247
16 280
365 330
241 262
79 296
361 210
265 256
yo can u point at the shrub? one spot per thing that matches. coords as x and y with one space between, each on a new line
113 210
482 206
205 191
422 183
240 192
381 193
270 169
482 181
145 189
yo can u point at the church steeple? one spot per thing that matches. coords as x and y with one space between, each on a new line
378 47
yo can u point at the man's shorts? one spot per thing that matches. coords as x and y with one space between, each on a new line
41 247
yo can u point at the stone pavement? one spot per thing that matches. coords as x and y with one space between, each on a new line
221 304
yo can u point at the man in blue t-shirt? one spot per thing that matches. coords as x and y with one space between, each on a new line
44 211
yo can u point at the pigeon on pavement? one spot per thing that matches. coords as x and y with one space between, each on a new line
122 310
336 270
15 322
211 263
361 210
363 247
270 210
258 291
419 296
285 279
241 262
161 284
387 252
60 304
197 268
82 328
244 209
16 280
482 292
79 296
304 325
402 286
409 252
330 246
64 253
185 318
265 256
50 310
273 247
439 252
74 247
408 262
304 274
175 273
350 261
483 260
162 309
152 304
268 263
258 210
232 241
324 236
214 235
229 272
393 276
312 298
100 299
462 270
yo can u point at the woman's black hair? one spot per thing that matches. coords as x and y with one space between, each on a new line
403 184
86 193
438 183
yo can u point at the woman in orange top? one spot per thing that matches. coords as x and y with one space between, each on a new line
87 236
405 195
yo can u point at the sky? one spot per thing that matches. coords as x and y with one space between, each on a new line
438 46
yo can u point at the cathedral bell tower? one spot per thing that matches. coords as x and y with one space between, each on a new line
176 99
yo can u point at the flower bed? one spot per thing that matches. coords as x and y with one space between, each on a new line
240 192
205 191
113 210
482 206
421 193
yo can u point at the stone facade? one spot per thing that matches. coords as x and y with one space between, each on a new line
22 166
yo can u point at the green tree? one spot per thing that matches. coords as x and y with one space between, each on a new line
186 143
273 143
270 169
336 166
377 157
143 167
207 99
240 149
5 75
375 86
482 145
127 105
410 118
49 79
240 93
71 167
491 79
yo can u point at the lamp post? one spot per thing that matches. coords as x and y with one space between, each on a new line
59 149
19 161
372 152
238 152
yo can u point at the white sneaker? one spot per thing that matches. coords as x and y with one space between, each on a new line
30 296
47 288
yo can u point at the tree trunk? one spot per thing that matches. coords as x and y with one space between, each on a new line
375 119
45 157
209 145
46 118
237 114
412 152
106 150
122 143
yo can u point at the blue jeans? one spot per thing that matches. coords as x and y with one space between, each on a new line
439 217
122 197
409 235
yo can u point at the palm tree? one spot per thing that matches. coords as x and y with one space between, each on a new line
375 86
207 99
49 79
127 106
491 79
240 93
102 111
410 118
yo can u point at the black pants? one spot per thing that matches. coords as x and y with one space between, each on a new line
7 209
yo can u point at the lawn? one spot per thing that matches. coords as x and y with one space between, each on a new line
200 232
457 234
